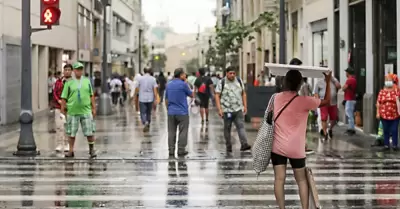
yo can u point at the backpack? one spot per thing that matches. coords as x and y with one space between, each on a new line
223 84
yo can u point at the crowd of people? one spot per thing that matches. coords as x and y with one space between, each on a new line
75 105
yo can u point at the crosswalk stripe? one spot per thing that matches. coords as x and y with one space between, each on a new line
192 198
140 172
158 179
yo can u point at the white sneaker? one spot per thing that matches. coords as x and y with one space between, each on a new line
59 148
66 148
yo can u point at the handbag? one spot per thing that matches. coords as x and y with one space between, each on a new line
262 147
312 190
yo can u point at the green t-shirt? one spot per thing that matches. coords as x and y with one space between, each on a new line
72 90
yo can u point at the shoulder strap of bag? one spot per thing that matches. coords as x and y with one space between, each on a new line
287 104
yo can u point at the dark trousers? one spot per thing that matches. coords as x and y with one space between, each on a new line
236 118
390 128
145 112
181 122
161 94
115 97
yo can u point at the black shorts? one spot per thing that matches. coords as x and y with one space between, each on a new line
282 160
204 100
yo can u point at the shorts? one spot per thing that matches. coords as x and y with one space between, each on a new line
329 111
87 123
282 160
204 100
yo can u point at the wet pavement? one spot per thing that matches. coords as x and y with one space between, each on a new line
133 170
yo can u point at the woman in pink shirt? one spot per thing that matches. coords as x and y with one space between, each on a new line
290 134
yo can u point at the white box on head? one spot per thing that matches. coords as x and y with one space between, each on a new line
306 71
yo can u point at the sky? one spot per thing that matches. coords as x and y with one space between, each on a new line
183 15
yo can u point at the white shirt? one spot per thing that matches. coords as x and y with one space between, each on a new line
50 84
116 85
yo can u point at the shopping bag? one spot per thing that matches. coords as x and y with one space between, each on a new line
312 191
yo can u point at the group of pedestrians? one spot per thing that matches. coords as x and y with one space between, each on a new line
75 106
230 99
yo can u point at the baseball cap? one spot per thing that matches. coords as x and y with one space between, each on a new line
350 70
77 65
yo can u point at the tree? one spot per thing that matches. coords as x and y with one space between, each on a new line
145 51
192 65
229 39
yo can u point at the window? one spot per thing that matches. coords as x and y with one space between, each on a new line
320 48
121 29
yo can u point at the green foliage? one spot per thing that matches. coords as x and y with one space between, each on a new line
192 65
229 39
145 51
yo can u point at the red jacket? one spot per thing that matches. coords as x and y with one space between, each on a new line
57 91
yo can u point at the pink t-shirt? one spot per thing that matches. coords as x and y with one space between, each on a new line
290 128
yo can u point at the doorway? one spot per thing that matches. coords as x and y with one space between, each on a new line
357 54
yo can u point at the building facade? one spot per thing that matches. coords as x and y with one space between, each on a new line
361 34
125 24
181 48
78 38
50 49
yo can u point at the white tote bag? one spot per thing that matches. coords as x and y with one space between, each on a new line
262 147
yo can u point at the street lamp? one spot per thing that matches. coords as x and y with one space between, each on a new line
140 47
104 107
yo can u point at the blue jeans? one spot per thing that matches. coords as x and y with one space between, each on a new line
349 109
390 128
145 112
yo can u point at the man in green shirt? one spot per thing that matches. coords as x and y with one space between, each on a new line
79 104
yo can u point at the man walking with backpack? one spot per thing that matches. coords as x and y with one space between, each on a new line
231 101
205 88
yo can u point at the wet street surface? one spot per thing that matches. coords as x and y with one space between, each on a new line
133 170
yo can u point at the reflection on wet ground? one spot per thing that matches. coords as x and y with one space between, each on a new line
134 171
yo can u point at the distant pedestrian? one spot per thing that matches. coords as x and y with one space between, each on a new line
148 95
116 89
176 95
388 113
60 119
350 93
80 108
231 102
162 82
329 111
204 90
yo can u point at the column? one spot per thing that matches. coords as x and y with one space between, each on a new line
398 34
331 36
368 100
59 60
344 35
42 77
35 78
344 51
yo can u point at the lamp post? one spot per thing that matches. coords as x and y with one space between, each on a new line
140 48
282 43
282 32
104 107
26 143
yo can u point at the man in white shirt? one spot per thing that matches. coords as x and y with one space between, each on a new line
116 87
